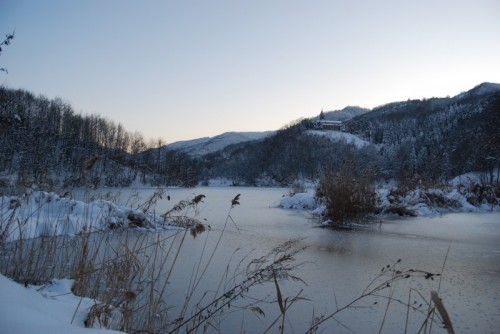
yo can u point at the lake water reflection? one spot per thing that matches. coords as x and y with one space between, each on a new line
338 265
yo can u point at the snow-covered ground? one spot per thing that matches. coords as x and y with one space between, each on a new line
53 308
340 136
219 182
459 196
43 310
299 201
38 213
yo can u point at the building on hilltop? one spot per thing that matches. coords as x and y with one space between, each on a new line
323 124
330 125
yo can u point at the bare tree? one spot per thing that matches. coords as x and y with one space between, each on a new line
6 41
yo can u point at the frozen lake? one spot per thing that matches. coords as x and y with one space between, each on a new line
337 265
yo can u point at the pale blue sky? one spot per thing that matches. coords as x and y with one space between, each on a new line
188 69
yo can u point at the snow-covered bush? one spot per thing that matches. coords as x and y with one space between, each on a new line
299 201
464 193
479 193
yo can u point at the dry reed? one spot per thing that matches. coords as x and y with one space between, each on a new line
127 272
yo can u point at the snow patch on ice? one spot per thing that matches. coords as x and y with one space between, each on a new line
301 201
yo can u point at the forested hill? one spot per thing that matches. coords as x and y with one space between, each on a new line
45 142
432 139
437 137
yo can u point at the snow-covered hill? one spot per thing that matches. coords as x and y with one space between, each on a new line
345 114
484 88
201 146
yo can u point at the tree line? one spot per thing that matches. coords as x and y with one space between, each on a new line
431 140
436 139
45 142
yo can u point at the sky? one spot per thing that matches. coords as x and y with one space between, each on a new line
180 70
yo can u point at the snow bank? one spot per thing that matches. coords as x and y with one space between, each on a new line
39 310
40 213
218 182
460 196
433 201
299 201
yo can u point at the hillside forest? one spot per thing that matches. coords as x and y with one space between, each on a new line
44 142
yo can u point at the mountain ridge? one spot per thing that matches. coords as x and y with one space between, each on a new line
205 145
429 139
481 89
200 146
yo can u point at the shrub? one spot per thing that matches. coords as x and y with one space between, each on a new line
297 188
348 192
480 193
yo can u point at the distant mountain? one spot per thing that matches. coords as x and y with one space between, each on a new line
201 146
484 88
345 114
351 115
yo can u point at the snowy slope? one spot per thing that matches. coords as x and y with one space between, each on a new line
202 146
340 136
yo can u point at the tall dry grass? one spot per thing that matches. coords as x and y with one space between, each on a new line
348 192
128 271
